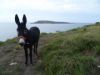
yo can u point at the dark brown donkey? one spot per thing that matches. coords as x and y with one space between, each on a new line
27 38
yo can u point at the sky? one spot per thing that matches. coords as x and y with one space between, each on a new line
85 11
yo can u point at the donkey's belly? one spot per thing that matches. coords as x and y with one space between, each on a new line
35 34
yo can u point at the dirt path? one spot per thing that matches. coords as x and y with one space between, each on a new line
30 68
29 71
10 54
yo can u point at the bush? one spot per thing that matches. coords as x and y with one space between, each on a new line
97 23
1 43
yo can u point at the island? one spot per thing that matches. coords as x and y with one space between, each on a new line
49 22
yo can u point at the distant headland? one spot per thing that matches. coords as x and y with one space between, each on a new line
49 22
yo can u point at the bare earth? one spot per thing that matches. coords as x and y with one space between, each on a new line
12 59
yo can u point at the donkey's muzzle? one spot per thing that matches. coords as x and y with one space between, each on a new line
21 44
21 41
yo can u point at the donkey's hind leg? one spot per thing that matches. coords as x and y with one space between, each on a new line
35 48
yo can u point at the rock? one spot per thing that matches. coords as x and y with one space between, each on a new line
13 63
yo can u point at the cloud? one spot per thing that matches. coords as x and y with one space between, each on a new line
42 5
48 8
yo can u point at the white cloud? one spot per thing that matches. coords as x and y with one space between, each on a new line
44 5
9 7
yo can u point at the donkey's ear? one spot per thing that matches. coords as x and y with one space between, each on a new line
24 19
17 19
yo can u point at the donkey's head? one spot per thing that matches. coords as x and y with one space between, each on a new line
22 30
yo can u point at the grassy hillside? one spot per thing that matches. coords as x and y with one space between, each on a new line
74 52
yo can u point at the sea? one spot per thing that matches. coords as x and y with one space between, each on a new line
8 30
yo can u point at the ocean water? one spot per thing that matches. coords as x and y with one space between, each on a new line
8 30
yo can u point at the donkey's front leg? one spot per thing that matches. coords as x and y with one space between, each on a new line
31 54
26 54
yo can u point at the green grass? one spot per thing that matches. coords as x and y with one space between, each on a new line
72 52
2 43
9 41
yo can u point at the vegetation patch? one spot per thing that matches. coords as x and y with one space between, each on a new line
73 52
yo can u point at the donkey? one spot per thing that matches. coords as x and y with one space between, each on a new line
27 38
